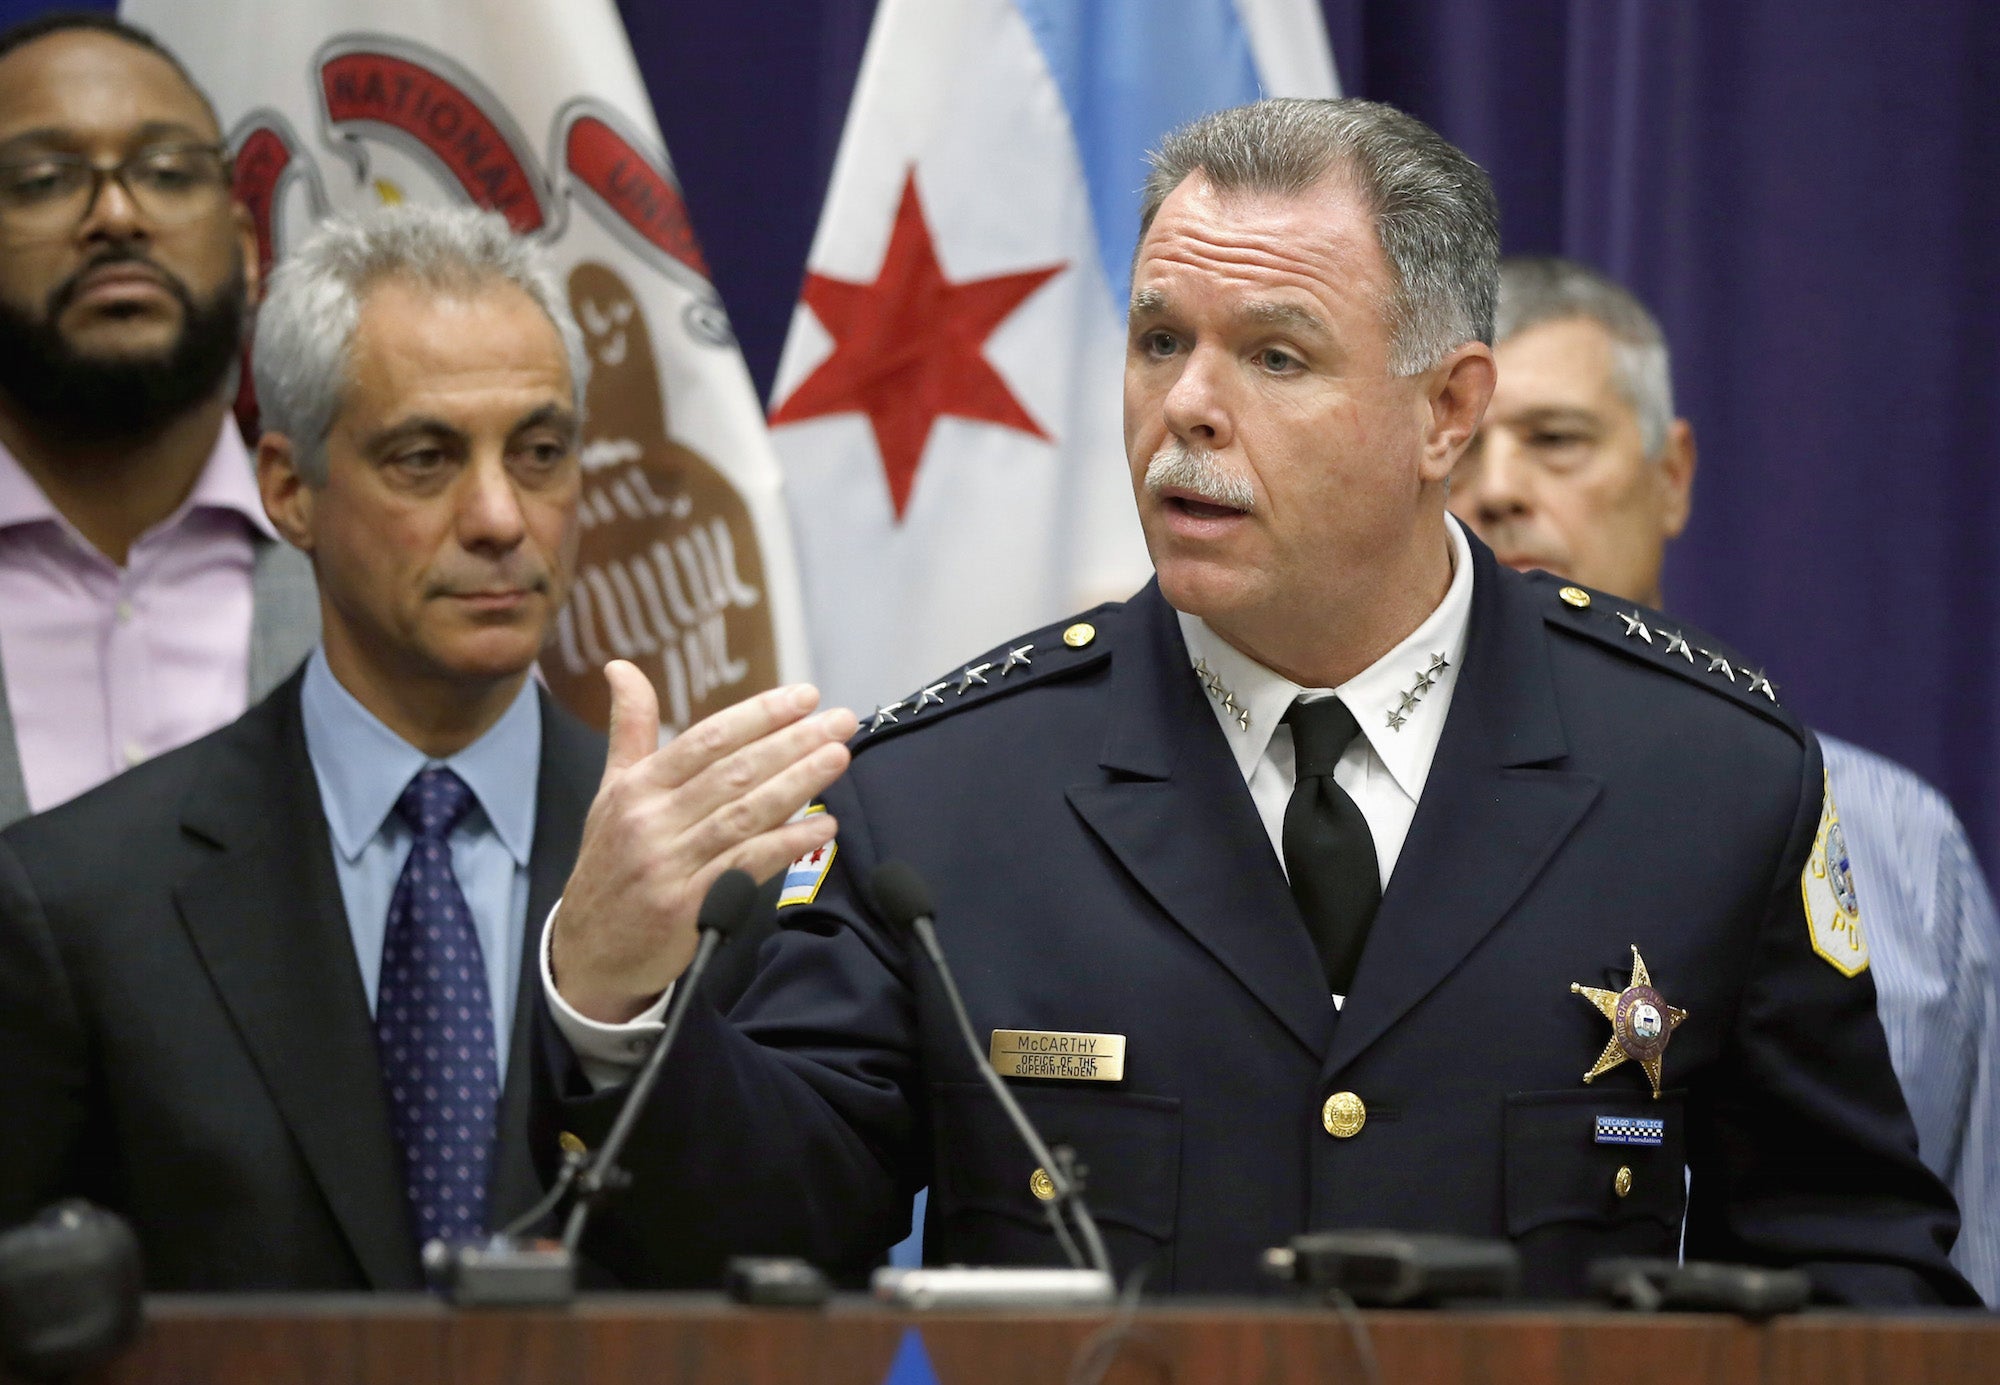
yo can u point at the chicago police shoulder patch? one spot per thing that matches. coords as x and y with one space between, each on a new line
805 875
1833 909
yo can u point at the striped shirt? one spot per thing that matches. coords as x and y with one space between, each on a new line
1934 945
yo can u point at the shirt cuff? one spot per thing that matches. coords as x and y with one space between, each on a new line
608 1053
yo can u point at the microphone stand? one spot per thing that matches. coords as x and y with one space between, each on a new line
901 897
507 1270
600 1175
1060 1163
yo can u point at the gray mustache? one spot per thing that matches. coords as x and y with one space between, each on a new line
1177 466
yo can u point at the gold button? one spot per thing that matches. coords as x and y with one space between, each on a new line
1079 634
571 1144
1343 1115
1042 1186
1622 1183
1576 596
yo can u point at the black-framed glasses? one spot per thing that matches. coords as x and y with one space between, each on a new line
170 184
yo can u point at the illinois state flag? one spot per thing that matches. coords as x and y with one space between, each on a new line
535 108
947 404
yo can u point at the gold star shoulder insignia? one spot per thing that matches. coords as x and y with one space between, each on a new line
1642 1023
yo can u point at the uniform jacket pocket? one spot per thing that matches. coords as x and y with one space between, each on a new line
1128 1143
1558 1170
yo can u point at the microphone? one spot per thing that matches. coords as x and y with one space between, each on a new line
1698 1286
724 909
1397 1269
508 1271
903 898
69 1292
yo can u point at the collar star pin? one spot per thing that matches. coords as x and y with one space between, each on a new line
1223 696
1641 1024
1427 678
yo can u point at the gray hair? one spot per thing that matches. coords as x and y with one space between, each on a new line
1433 207
1536 289
305 328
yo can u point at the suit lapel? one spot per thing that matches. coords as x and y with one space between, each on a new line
571 764
266 917
1174 809
1492 814
13 783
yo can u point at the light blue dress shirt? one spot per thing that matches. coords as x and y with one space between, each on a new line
1934 947
363 767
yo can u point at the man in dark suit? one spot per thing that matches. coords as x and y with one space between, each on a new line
269 995
1341 878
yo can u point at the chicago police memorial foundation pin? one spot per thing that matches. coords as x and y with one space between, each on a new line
1642 1023
1058 1054
1630 1130
1833 909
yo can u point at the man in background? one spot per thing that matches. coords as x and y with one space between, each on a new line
1582 468
145 599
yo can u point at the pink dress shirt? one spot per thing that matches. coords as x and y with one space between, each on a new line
106 666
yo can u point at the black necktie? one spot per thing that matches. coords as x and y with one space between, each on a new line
1329 851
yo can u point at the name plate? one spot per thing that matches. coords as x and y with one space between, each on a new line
1052 1053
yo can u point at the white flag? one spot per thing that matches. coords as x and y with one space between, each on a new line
535 108
947 405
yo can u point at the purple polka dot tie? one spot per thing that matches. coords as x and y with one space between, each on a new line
434 1023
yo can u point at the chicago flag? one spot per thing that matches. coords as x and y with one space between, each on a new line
947 406
535 108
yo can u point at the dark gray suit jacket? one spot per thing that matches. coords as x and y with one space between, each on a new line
284 626
184 1036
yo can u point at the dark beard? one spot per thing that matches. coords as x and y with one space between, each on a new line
100 399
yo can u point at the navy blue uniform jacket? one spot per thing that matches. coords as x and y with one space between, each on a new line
1098 866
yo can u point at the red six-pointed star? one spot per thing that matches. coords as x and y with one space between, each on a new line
906 348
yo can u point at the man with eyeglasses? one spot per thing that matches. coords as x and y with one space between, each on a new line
144 597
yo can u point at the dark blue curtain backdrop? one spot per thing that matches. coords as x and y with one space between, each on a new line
1806 192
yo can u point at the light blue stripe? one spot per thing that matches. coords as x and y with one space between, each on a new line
1129 72
1934 948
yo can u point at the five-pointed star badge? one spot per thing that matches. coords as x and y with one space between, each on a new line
1641 1024
907 348
1636 626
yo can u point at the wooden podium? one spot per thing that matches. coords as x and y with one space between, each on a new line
702 1340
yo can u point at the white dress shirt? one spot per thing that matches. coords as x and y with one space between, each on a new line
1400 701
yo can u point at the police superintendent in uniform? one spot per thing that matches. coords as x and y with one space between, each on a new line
1355 850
